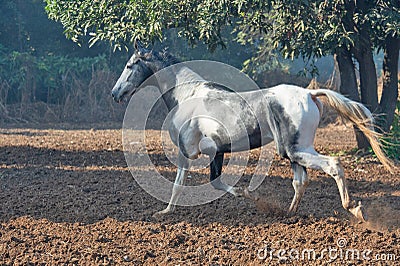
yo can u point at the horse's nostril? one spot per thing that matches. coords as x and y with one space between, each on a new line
114 94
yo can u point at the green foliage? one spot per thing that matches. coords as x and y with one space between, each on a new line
298 28
27 78
265 58
42 72
121 21
234 54
392 149
318 28
295 28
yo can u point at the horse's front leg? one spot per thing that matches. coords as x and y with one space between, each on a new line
181 175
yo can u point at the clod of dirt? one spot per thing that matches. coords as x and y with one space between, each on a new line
272 208
381 217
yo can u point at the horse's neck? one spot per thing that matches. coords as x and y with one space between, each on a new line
181 87
187 76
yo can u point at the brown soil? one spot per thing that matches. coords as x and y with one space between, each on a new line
67 198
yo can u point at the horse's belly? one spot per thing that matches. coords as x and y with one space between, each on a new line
244 143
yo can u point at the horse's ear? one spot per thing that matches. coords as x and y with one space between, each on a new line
139 49
136 44
148 55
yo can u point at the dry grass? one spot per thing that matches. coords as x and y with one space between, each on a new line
82 103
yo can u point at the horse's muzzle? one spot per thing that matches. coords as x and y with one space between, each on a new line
114 94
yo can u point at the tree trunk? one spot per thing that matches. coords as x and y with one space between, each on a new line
364 54
390 90
348 80
349 88
368 80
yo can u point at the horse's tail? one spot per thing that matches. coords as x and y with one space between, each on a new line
359 115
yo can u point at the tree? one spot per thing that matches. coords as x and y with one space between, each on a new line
348 29
121 21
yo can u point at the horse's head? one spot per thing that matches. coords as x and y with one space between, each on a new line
137 70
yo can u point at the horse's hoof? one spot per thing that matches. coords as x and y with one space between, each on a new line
290 212
237 192
162 213
359 212
247 195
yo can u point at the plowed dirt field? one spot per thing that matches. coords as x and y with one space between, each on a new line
68 198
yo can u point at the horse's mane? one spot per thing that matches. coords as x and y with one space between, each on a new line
166 58
160 59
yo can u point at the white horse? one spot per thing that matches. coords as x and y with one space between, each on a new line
286 114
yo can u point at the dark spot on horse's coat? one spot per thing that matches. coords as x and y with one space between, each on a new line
182 142
169 99
255 138
218 86
295 165
286 134
245 120
222 140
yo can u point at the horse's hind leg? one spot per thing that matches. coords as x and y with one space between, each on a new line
331 166
181 175
300 182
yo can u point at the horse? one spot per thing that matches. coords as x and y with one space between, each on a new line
286 114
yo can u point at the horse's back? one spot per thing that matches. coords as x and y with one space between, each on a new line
296 102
